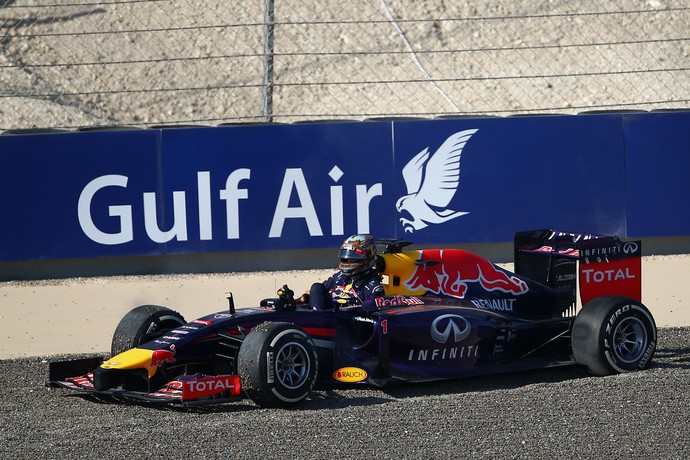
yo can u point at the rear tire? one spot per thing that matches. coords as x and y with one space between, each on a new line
614 335
144 324
277 364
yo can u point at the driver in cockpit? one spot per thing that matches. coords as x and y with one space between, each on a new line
356 281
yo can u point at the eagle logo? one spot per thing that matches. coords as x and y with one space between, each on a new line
431 183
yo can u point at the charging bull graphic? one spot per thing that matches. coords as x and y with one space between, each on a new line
450 271
160 357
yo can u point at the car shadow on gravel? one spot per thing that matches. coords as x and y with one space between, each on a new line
505 381
344 396
672 358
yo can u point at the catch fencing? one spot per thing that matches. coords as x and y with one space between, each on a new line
83 63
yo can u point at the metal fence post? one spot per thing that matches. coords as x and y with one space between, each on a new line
269 24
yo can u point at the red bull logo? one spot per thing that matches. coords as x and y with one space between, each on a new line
449 271
160 357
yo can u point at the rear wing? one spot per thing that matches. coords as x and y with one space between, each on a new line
603 265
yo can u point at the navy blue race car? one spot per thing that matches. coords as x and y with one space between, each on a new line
447 313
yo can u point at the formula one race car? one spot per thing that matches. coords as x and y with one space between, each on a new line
447 313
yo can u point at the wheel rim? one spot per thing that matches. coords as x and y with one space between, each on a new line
629 339
292 365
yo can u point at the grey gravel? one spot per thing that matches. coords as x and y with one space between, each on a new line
557 413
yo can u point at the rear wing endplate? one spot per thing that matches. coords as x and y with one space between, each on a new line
603 265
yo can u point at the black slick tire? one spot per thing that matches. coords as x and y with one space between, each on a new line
277 364
143 324
614 335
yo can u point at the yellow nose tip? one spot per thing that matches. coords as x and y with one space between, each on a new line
136 358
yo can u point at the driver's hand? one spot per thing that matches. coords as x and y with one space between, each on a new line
304 298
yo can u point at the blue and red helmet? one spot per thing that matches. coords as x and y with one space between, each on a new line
357 255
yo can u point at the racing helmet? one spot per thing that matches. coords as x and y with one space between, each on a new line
357 255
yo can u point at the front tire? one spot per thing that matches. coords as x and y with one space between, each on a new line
614 335
277 364
143 324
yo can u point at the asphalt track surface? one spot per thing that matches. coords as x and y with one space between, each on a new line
556 413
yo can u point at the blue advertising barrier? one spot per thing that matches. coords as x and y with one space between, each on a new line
45 176
657 149
265 187
523 173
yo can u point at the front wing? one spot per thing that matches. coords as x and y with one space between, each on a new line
188 390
